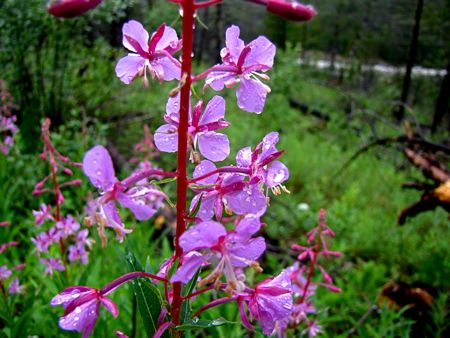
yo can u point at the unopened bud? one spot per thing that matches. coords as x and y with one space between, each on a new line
71 8
293 11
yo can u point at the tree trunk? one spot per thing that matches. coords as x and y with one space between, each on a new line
399 112
442 103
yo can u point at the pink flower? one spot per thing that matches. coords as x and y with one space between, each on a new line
44 213
5 273
81 308
156 55
271 301
52 264
201 130
238 195
97 165
244 63
259 159
227 249
15 287
67 226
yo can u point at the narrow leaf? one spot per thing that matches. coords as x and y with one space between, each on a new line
148 297
186 305
197 324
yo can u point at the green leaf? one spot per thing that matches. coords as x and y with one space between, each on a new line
186 305
164 181
148 297
197 324
196 207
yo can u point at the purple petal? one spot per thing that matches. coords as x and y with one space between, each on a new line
166 138
217 80
202 236
98 166
205 167
214 146
248 226
233 43
113 220
272 301
68 295
276 174
268 145
250 200
262 53
251 95
214 111
169 67
249 250
137 32
173 107
173 110
244 157
168 40
206 210
82 318
191 263
128 67
110 306
140 210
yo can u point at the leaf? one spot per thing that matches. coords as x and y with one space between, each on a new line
196 208
164 181
148 297
197 324
187 290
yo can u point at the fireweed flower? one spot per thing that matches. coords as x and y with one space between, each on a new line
15 287
258 162
269 302
81 308
43 214
226 189
201 130
140 199
52 264
154 55
4 272
8 120
244 64
227 250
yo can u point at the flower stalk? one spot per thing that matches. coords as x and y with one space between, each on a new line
188 8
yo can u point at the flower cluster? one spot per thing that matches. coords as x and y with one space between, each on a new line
303 288
5 272
8 127
65 233
217 237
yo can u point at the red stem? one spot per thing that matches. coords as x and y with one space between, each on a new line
214 303
311 267
56 191
182 181
226 169
199 292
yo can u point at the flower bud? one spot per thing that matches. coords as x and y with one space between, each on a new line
71 8
291 10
